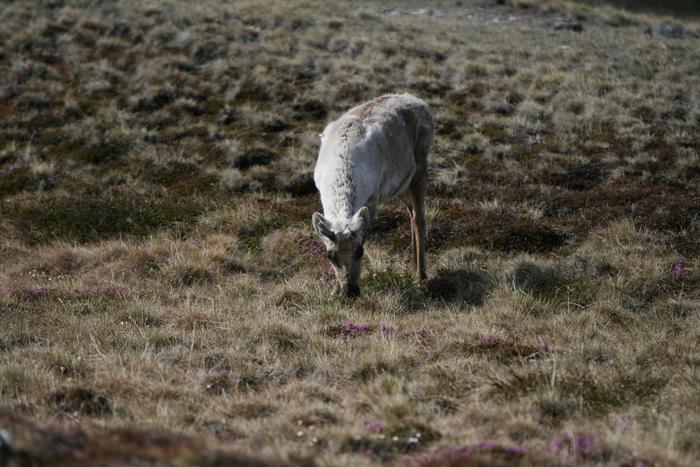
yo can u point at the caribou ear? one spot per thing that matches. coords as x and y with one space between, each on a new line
360 220
322 226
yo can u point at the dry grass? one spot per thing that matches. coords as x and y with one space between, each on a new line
162 297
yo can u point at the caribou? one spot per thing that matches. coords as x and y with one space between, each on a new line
373 153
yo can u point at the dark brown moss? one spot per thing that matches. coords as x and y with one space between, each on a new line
503 234
182 178
251 90
576 177
301 185
253 157
311 109
100 152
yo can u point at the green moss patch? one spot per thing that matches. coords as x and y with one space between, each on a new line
15 180
93 217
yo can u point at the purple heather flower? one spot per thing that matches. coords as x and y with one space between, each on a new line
327 270
373 426
678 269
36 292
555 446
367 453
584 444
489 341
578 446
312 246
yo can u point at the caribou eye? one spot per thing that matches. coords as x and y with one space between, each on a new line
359 252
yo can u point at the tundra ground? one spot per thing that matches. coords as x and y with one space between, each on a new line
163 299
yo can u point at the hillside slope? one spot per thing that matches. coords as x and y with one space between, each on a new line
162 296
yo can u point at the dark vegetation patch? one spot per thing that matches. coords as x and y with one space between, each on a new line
252 410
460 285
14 179
388 280
510 235
34 443
507 350
370 370
576 177
687 241
468 225
486 453
181 178
311 109
15 339
251 235
350 329
92 217
152 103
392 441
392 226
301 185
543 282
246 377
599 396
222 381
253 157
284 339
252 90
652 206
80 400
189 276
582 390
103 151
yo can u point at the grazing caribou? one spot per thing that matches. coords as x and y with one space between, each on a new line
371 154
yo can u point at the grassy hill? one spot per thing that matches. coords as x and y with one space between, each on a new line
163 299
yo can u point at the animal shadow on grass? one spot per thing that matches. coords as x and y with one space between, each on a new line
469 286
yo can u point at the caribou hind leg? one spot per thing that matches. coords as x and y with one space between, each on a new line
408 202
417 193
418 230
